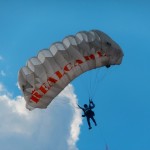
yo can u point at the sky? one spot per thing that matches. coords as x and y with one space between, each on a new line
122 97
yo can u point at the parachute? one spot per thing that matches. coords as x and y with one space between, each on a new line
46 75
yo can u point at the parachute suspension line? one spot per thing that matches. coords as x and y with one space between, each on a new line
99 75
74 105
87 86
95 82
90 83
92 88
98 81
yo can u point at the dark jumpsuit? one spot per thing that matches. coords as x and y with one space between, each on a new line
89 114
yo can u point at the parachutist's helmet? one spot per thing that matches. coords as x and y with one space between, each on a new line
85 105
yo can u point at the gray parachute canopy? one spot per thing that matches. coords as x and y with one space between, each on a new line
46 75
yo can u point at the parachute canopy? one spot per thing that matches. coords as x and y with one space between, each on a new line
46 75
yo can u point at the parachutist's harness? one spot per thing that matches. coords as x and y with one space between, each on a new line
88 110
88 113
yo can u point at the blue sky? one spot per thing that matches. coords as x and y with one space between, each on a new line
122 99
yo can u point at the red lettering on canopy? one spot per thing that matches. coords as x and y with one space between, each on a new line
44 88
35 93
99 54
59 74
68 67
35 96
51 81
34 99
89 57
78 62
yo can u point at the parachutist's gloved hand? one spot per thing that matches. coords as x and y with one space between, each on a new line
91 101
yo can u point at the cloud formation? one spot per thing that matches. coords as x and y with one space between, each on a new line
56 127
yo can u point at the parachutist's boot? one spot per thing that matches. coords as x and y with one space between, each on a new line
90 128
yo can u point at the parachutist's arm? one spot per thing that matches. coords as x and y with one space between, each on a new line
80 107
90 101
82 110
91 105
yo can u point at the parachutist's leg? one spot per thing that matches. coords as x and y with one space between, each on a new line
88 120
94 121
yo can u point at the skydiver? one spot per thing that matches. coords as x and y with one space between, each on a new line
88 113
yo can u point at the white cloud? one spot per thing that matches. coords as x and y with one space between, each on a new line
2 88
3 91
55 128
